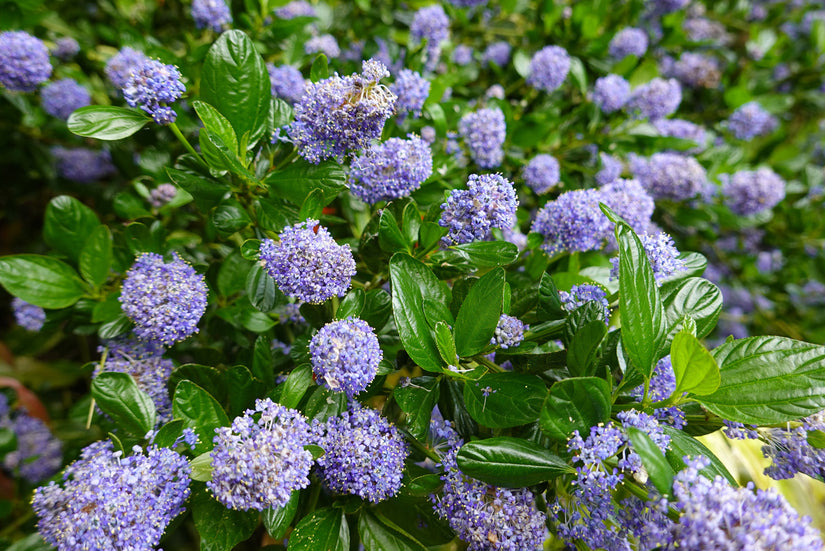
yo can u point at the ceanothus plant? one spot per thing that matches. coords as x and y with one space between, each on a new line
324 276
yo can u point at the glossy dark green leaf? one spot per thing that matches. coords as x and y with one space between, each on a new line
417 399
281 113
273 215
486 254
232 274
695 297
378 533
510 462
41 280
106 122
324 403
411 223
377 308
352 304
479 314
242 389
262 363
502 400
549 307
234 81
230 216
682 445
319 69
208 378
297 180
96 256
767 380
313 205
261 289
218 124
321 529
169 433
277 519
118 395
296 385
390 237
206 192
446 344
114 328
220 528
581 354
575 404
695 368
67 225
653 460
199 412
408 277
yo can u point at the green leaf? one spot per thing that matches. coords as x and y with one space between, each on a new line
695 368
377 308
118 395
260 288
324 403
767 380
352 304
41 280
262 361
486 254
390 237
446 344
234 80
206 192
166 436
106 122
682 445
313 205
695 297
242 389
549 307
479 314
408 277
199 412
221 156
502 400
218 124
206 377
281 113
417 399
220 529
277 519
321 529
319 69
575 404
230 216
114 328
202 467
581 355
68 224
296 385
297 180
510 462
96 256
654 461
378 533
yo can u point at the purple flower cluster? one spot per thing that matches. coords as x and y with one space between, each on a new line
628 41
611 93
211 14
341 115
470 214
752 191
611 169
391 170
484 132
323 44
257 463
697 70
462 55
83 165
662 385
108 501
509 332
750 121
542 173
656 99
498 53
162 195
685 130
121 65
287 82
668 6
38 454
573 222
431 24
28 316
364 456
548 68
307 263
345 355
165 300
296 8
580 295
412 90
61 97
24 61
669 175
662 254
630 200
152 87
65 48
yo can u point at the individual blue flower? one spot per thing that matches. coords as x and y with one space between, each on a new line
484 132
412 90
611 169
65 48
152 87
750 192
391 170
630 201
296 8
211 14
345 355
430 24
662 254
28 316
542 173
61 97
121 65
287 82
323 44
611 93
580 295
750 121
669 175
24 61
364 454
628 41
162 195
38 454
462 55
342 115
685 130
548 68
307 263
470 214
697 70
83 165
108 501
260 460
498 53
656 99
509 332
573 222
164 300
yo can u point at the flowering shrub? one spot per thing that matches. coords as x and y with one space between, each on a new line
461 274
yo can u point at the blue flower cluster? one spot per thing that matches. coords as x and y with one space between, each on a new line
548 68
628 41
484 132
65 48
685 130
662 254
611 93
323 44
152 87
669 175
750 192
28 316
108 501
364 454
488 202
287 82
412 90
39 454
611 169
61 97
211 14
750 121
580 295
307 263
542 173
630 200
573 222
83 165
497 53
162 195
165 300
509 332
345 355
260 459
24 61
121 66
656 99
431 24
296 8
697 70
391 170
462 55
662 385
